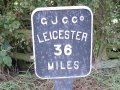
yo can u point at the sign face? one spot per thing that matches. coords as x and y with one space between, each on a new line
62 41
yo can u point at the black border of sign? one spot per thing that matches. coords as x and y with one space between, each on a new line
61 8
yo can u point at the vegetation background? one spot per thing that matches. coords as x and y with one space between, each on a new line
16 64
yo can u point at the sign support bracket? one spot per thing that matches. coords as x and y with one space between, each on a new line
63 84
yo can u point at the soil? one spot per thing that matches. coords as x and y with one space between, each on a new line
87 83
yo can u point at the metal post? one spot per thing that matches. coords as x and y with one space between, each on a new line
63 84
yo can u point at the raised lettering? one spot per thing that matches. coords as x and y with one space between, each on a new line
54 22
73 32
43 21
50 66
61 35
74 19
81 18
76 64
64 20
69 64
67 33
45 36
53 34
40 41
78 35
62 65
84 36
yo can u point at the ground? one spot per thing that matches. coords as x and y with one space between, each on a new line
108 79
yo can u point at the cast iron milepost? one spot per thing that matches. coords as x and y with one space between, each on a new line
62 43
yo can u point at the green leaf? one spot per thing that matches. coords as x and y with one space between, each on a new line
6 46
1 60
3 53
24 4
85 1
7 61
15 25
6 26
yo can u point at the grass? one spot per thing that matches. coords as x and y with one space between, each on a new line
10 85
107 79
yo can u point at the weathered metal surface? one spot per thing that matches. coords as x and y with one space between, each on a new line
62 41
63 84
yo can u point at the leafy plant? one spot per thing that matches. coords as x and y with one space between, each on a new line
7 26
5 59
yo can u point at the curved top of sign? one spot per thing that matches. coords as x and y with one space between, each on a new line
60 8
87 47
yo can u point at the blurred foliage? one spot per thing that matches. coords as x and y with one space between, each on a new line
9 86
106 26
15 15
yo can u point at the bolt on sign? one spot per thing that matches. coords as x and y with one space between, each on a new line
62 41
